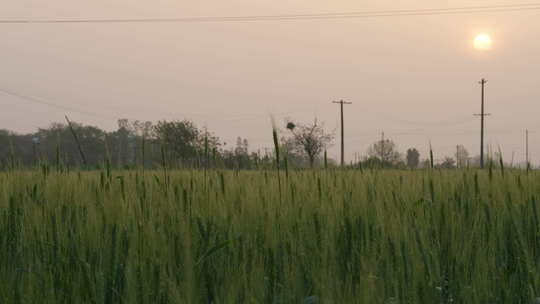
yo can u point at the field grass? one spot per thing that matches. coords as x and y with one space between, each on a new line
321 236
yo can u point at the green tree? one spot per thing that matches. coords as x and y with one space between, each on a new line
413 158
184 141
57 141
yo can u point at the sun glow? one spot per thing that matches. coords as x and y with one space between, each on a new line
483 42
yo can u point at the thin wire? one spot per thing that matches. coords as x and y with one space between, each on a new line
447 123
343 15
48 103
42 101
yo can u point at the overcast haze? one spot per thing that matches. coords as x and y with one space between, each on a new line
414 77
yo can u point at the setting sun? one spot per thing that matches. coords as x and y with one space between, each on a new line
483 42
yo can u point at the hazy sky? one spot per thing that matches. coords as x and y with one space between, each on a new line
414 77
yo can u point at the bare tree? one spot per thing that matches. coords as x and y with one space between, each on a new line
386 151
462 156
447 163
311 139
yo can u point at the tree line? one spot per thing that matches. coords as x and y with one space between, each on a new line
176 144
182 144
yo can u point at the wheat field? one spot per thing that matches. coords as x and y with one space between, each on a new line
306 236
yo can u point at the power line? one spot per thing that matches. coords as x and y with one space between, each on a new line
50 104
247 117
286 17
41 101
448 123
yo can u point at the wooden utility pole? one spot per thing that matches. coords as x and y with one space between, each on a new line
512 162
482 116
527 148
382 147
341 103
457 157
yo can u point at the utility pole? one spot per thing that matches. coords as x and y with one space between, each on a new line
482 116
527 148
341 103
512 163
382 147
457 156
